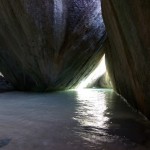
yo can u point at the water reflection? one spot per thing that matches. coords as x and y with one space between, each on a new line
106 120
91 108
91 115
89 119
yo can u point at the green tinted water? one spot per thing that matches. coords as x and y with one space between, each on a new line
90 119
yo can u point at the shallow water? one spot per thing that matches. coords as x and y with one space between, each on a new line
89 119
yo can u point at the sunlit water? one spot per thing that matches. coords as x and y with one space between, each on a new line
88 119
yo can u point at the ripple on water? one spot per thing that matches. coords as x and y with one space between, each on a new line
89 119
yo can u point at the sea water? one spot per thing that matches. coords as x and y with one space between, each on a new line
87 119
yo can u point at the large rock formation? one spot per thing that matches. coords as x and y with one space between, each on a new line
49 44
102 82
128 49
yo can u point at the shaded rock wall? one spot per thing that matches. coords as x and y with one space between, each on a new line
5 86
49 44
102 82
128 49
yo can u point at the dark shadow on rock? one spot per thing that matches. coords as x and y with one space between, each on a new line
4 142
5 86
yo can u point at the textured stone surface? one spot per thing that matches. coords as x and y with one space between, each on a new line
49 44
128 49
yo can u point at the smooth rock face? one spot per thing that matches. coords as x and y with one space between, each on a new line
49 44
128 49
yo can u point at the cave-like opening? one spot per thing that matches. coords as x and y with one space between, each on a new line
95 77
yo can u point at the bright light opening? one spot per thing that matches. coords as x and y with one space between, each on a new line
1 74
98 72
